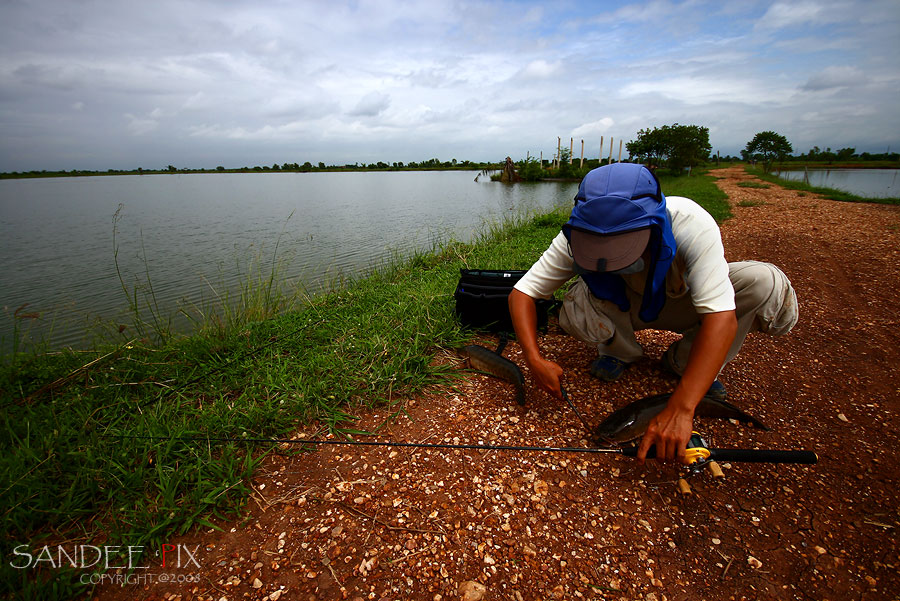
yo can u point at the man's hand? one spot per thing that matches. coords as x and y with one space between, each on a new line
546 375
524 318
670 431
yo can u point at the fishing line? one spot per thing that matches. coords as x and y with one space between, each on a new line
575 409
699 453
367 443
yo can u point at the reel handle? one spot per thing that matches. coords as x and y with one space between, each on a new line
763 456
743 455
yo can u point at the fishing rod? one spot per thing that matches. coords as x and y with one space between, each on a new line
697 451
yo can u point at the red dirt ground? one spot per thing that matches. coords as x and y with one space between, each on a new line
377 523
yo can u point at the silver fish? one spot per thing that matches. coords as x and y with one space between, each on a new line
486 360
631 421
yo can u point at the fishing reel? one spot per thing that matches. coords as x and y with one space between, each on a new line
697 456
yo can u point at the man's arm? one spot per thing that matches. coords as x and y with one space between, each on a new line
671 429
524 318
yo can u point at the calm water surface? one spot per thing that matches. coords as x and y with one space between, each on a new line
869 183
195 234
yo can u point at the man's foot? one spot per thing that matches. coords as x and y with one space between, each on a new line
608 368
717 391
667 360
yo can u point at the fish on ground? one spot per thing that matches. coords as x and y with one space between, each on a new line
486 360
631 421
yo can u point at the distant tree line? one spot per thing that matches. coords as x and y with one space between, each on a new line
428 164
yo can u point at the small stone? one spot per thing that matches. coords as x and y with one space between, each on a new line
843 417
541 487
754 563
471 591
257 583
716 541
820 550
275 596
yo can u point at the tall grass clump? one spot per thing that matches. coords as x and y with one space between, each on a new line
94 440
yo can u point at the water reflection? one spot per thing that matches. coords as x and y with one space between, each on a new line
196 236
868 183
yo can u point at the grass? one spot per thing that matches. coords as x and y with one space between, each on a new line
93 454
758 185
829 193
700 187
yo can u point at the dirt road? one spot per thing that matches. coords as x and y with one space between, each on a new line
377 523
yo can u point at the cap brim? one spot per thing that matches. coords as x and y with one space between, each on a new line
607 252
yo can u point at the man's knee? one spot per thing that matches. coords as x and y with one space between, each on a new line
763 290
581 319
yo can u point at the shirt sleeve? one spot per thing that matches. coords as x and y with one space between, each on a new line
550 272
699 241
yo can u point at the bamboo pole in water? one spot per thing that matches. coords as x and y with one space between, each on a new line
582 155
558 149
620 150
600 157
571 149
609 162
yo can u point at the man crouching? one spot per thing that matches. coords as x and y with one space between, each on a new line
647 261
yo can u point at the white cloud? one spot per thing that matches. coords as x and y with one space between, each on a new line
263 82
703 90
789 14
140 125
540 69
834 77
594 129
371 105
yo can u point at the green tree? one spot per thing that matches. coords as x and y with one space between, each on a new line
768 147
677 146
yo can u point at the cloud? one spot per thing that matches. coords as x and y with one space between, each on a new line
371 105
540 69
789 14
141 125
693 90
594 129
196 84
835 77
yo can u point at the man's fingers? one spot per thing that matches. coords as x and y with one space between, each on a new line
646 442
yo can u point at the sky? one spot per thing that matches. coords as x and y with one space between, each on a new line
121 84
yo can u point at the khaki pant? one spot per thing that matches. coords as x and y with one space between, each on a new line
764 298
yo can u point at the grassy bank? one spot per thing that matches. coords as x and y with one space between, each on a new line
829 193
91 436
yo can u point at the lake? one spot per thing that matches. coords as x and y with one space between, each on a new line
869 183
198 235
